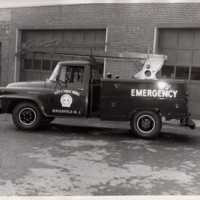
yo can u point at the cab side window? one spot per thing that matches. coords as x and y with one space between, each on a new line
72 74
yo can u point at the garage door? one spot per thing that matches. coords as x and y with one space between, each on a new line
182 46
0 62
39 66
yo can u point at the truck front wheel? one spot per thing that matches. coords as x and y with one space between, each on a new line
26 116
146 124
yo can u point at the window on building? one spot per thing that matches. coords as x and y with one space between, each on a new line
167 71
37 64
53 64
182 72
195 73
27 63
46 65
0 62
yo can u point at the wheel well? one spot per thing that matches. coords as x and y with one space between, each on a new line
142 109
15 102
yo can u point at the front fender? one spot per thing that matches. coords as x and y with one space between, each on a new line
8 102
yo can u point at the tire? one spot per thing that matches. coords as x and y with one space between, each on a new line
47 120
26 116
146 124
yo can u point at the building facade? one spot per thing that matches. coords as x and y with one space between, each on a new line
164 28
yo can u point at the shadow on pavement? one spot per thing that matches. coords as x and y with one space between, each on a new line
115 134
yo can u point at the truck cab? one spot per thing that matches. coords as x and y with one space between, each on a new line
76 91
70 94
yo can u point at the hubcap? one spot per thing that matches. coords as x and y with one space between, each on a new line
27 116
145 123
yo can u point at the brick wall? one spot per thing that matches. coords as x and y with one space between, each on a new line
4 44
130 26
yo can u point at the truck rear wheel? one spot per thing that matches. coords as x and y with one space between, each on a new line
146 124
26 116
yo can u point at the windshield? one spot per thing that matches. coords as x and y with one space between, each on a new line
68 73
55 73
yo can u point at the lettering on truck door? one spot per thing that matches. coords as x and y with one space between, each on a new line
69 96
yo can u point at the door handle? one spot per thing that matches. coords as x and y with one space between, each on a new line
80 89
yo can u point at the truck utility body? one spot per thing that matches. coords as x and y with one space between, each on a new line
75 89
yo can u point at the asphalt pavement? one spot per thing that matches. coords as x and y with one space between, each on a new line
80 157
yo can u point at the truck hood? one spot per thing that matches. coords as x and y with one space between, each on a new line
31 85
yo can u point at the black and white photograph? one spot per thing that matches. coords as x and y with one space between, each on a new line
100 99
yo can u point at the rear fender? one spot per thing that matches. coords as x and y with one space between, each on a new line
161 113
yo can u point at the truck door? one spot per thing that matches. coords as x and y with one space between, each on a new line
70 95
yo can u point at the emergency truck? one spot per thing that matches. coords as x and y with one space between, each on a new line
75 89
